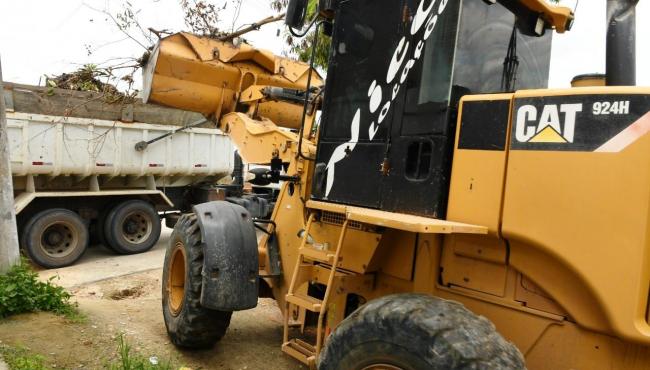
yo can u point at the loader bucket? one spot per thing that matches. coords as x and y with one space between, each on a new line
205 75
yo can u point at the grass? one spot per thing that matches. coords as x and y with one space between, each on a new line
21 292
21 359
128 360
73 315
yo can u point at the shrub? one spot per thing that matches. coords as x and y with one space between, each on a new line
21 291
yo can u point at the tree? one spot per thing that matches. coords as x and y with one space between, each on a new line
302 47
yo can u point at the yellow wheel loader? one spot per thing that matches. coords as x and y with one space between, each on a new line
438 208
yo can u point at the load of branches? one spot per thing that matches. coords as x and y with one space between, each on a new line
89 78
115 82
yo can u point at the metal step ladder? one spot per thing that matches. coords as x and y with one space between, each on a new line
305 352
308 353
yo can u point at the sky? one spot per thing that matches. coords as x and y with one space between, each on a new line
40 37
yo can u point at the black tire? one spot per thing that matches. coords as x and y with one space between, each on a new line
97 229
414 331
55 238
189 325
132 227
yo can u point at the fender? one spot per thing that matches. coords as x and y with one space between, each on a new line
230 261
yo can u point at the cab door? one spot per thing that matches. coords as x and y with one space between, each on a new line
422 132
366 33
386 133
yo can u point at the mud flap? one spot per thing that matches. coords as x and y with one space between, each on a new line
230 261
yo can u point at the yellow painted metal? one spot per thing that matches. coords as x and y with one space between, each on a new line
588 80
176 283
559 236
570 288
294 276
318 255
252 94
302 351
475 262
399 221
303 299
578 224
359 244
259 140
477 179
328 290
205 75
285 114
397 262
560 17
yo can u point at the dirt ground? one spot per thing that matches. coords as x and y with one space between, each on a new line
130 304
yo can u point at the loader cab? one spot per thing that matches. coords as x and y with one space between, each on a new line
396 73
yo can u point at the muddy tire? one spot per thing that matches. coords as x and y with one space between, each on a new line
132 227
413 331
55 238
189 325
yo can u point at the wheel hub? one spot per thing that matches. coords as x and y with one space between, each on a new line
53 237
131 227
59 239
137 227
176 281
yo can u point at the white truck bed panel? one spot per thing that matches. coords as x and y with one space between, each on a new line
54 145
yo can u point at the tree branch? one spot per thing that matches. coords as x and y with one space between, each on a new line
253 27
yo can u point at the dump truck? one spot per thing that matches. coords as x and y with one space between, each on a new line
446 211
90 171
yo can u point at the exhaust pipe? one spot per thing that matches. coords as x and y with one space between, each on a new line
621 42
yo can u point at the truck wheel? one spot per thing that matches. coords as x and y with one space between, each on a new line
414 331
97 229
132 227
55 238
188 324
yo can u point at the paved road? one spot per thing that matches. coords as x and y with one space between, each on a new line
99 263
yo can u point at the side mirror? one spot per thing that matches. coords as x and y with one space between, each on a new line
296 11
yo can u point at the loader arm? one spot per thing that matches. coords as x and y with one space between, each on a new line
559 18
260 140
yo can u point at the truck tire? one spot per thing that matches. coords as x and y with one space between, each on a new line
132 227
188 324
97 230
55 238
414 331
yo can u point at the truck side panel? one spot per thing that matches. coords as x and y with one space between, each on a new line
54 145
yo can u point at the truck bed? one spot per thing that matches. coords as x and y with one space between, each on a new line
57 145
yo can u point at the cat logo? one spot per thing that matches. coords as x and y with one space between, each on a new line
548 128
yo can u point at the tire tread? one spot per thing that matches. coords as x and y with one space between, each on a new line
195 326
443 334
